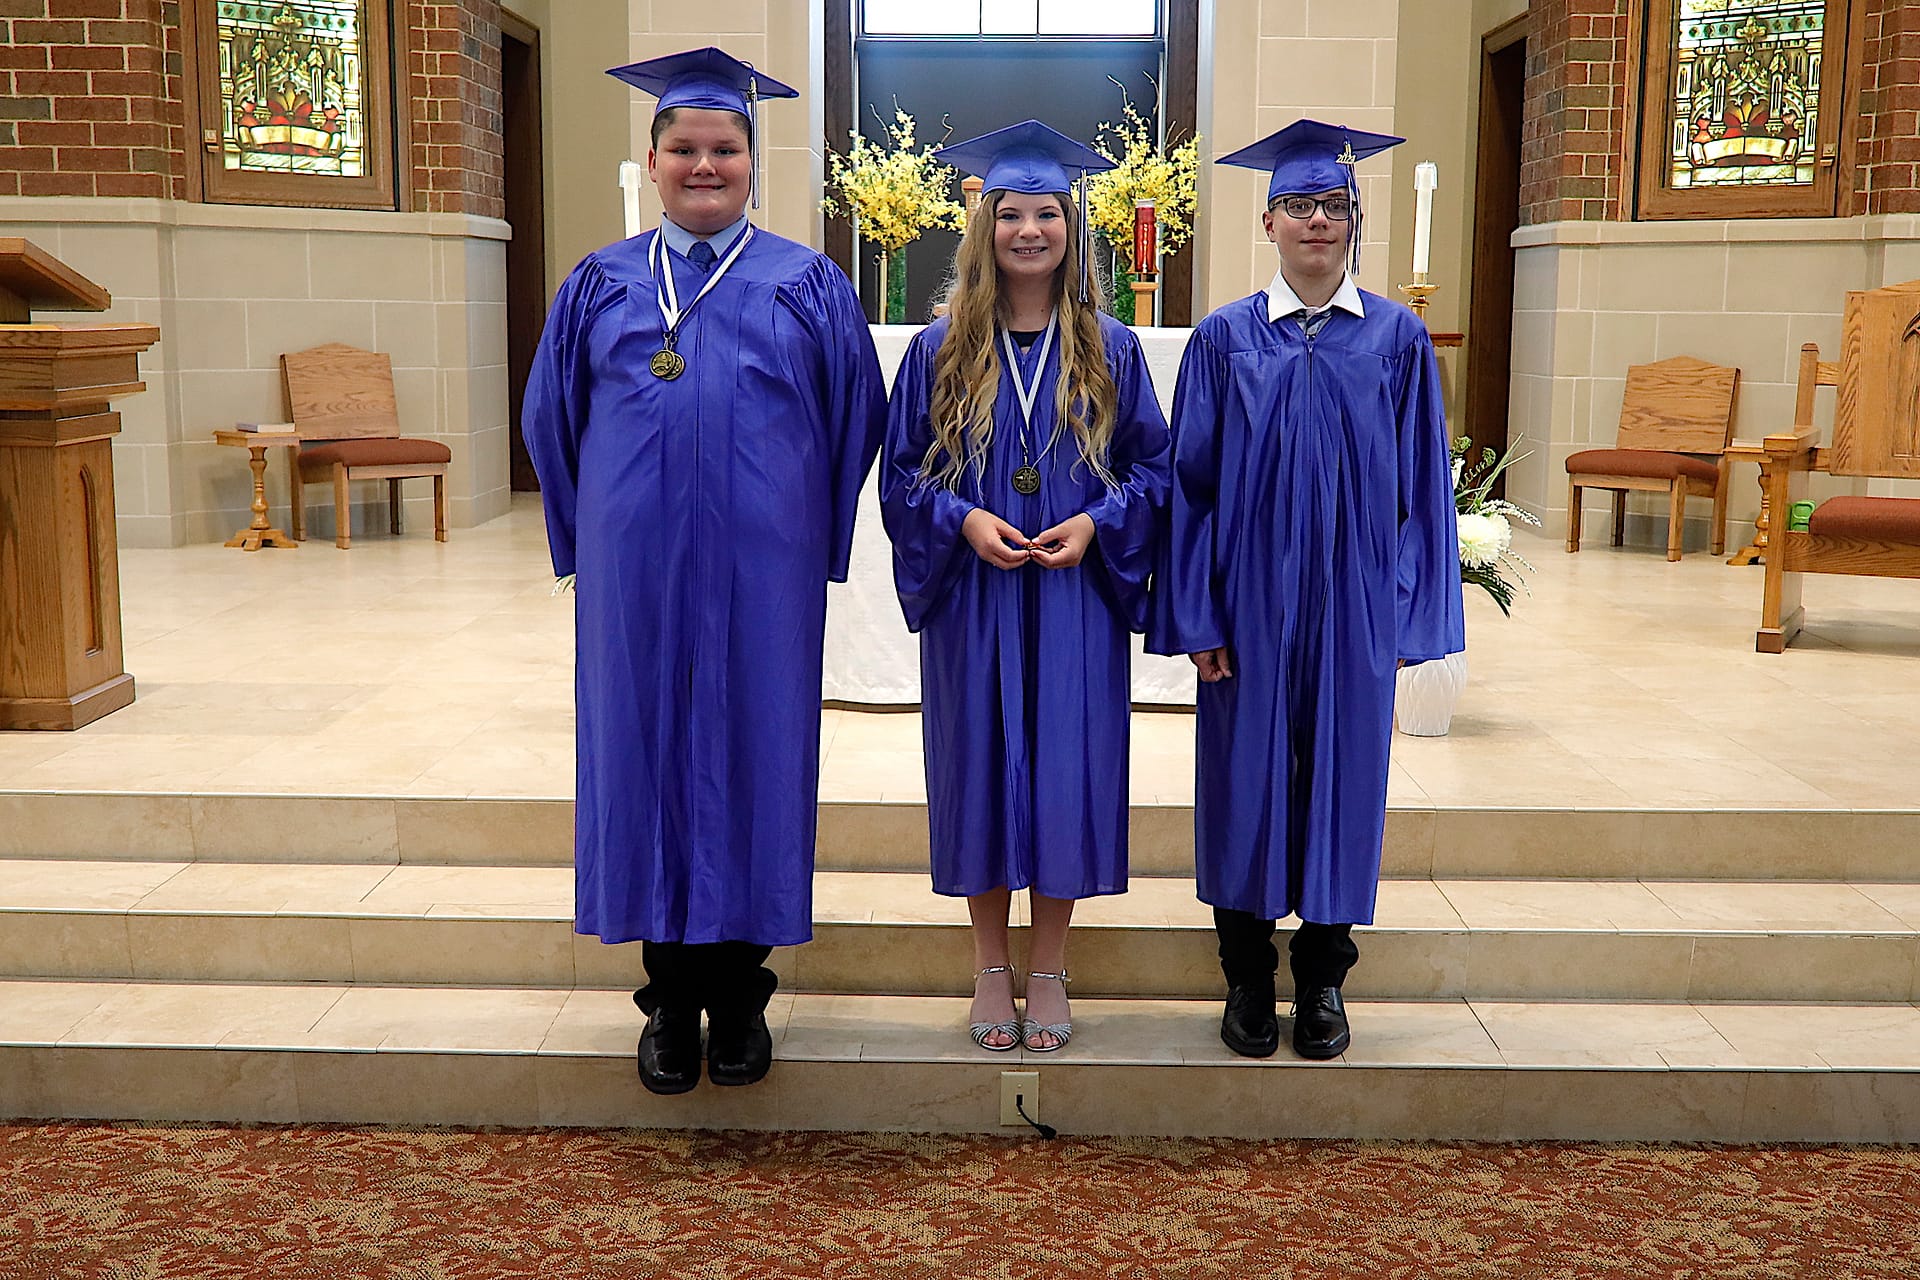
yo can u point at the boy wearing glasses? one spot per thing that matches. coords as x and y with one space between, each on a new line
1312 552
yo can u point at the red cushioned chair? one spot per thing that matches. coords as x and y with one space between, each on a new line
1675 412
1876 435
340 399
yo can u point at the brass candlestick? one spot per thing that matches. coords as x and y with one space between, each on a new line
1419 292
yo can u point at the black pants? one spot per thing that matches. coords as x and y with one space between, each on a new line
1318 954
727 979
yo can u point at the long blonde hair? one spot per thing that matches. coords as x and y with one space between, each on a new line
966 372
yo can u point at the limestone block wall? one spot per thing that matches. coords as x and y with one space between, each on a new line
1264 64
233 287
1592 298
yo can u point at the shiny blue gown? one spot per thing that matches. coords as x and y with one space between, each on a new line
704 517
1025 674
1313 536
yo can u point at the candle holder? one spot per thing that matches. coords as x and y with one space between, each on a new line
972 192
1143 291
1419 292
1146 252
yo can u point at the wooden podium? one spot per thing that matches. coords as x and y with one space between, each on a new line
60 655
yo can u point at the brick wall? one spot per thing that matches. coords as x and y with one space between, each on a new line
1575 118
90 98
1888 176
457 164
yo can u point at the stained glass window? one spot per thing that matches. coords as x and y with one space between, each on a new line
292 87
1745 93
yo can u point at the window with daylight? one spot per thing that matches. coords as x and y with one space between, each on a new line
295 102
962 68
1741 107
1011 17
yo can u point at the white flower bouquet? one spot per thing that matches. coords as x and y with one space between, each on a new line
1486 523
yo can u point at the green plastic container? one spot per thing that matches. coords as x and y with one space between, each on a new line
1798 515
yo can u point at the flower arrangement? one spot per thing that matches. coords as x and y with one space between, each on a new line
1141 172
1486 523
894 193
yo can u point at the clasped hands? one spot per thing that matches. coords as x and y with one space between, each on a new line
1214 665
1005 547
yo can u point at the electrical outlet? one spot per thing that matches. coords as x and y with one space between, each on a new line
1018 1089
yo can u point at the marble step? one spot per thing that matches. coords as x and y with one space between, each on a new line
1580 843
1456 1069
881 932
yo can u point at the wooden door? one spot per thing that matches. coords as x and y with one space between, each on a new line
527 251
1496 203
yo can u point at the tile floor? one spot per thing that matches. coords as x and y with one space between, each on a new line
414 669
1615 1035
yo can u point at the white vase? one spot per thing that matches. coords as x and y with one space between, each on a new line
1425 695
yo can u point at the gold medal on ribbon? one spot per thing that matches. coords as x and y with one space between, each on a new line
667 364
1026 480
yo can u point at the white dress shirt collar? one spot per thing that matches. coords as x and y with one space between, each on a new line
1282 301
681 240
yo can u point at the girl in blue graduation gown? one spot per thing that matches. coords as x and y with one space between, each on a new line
1021 552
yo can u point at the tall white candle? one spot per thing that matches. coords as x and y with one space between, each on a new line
1426 176
630 172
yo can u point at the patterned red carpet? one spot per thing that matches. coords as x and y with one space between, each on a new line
136 1202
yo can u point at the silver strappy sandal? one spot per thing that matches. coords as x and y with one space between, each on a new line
1060 1031
981 1030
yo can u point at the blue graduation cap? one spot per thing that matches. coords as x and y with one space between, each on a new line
705 78
1028 158
712 80
1034 160
1308 157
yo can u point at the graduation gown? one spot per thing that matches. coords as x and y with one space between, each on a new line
1313 536
704 517
1025 673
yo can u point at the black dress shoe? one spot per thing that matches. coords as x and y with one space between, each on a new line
670 1050
739 1048
1249 1026
1319 1023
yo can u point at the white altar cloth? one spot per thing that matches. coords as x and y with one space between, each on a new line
870 655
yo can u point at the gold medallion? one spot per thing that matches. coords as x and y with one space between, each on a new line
667 365
1026 480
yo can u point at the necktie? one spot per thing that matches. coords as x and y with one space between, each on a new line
1312 322
701 255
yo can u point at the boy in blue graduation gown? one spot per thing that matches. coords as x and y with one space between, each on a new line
1312 552
703 411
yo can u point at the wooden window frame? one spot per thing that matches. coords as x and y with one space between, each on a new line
1830 194
1180 34
383 54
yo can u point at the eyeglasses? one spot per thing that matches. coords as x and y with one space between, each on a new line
1300 208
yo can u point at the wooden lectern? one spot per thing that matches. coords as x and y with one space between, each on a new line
60 655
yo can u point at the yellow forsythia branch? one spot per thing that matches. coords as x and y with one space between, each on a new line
892 192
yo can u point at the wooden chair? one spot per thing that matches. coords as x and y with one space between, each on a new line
1876 434
340 400
1673 410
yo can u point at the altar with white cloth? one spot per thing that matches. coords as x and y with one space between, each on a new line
871 658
